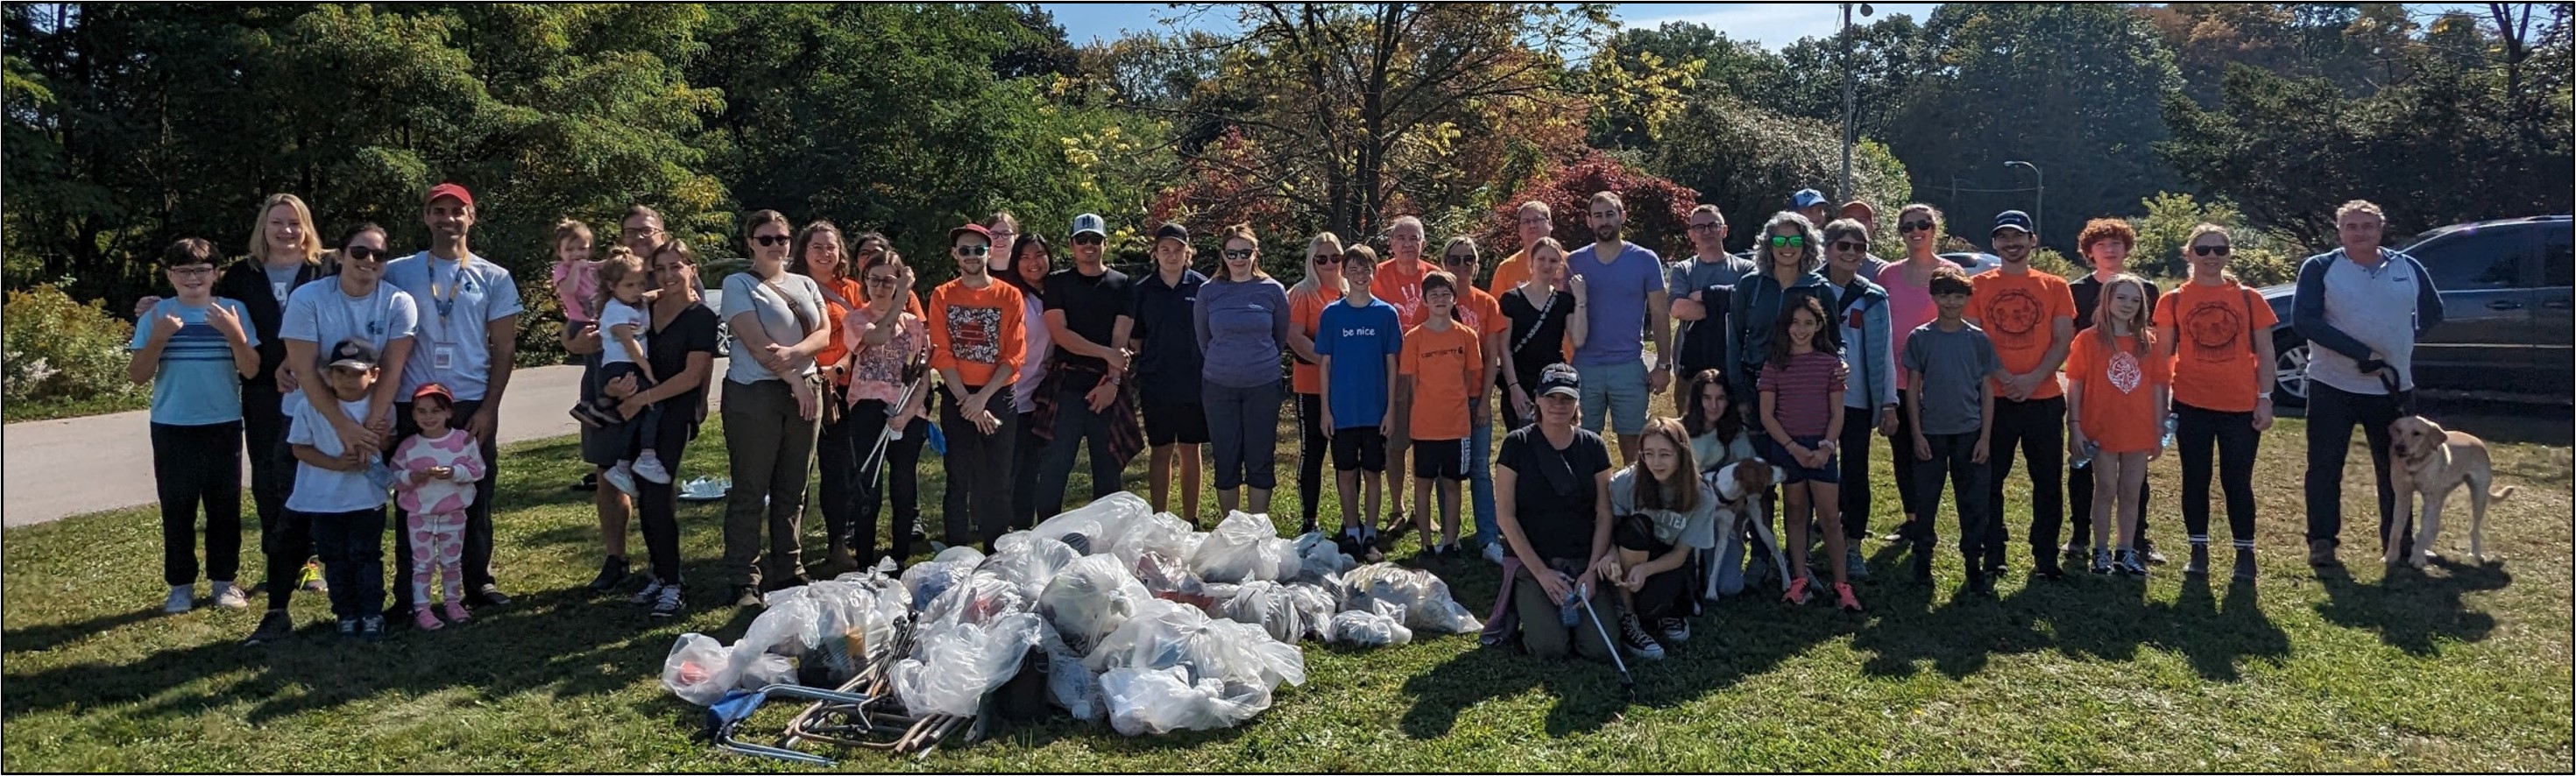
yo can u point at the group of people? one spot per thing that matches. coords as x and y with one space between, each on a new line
1784 364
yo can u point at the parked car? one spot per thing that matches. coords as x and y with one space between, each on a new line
713 298
2507 328
1974 262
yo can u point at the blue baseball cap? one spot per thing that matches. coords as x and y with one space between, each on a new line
2013 219
1090 222
1806 198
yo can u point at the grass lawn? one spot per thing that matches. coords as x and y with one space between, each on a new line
2463 667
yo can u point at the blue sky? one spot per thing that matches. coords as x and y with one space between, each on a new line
1773 25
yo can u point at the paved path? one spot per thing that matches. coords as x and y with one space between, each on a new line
59 468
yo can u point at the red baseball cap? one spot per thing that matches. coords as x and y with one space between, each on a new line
433 389
449 190
970 229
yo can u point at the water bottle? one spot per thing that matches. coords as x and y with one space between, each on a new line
1570 612
2170 421
938 440
2091 448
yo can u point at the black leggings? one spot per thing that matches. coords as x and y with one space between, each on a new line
1666 594
657 505
2196 430
1313 450
1859 425
897 475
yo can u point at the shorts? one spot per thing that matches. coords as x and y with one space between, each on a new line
1618 390
1791 472
1359 449
1175 423
1440 458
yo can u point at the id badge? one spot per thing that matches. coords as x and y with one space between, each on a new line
278 289
443 358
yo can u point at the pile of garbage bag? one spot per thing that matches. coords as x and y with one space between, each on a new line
1127 616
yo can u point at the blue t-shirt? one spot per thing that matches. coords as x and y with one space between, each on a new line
198 384
1614 304
457 302
1358 340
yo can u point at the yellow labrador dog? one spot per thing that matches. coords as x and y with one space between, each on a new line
2433 462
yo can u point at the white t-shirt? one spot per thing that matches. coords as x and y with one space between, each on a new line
320 313
323 491
769 302
457 302
622 314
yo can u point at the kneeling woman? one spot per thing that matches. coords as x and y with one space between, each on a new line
1664 513
1552 497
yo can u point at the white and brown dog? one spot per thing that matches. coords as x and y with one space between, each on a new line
1741 488
2433 462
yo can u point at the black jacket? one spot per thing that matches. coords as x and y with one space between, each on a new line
247 282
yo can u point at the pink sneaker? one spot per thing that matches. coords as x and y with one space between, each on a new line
421 618
1843 597
456 612
1797 592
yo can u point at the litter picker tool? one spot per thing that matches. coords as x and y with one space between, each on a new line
1627 683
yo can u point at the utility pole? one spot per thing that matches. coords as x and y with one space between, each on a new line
1850 100
2039 200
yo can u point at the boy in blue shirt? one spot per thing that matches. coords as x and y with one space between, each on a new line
1357 341
195 350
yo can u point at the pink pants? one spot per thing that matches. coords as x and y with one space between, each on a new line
437 541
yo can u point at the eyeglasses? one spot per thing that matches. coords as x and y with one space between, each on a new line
1847 245
1237 255
1788 241
2209 250
1458 258
1706 227
192 272
880 280
1914 226
1089 239
771 240
1534 220
973 250
1322 259
364 253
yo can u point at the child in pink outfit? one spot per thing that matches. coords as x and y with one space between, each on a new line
576 275
440 467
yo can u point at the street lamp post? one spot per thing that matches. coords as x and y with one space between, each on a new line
2039 201
1850 101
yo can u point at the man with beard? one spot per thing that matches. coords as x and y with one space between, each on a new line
2030 317
641 233
1618 289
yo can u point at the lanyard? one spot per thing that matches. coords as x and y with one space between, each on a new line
445 301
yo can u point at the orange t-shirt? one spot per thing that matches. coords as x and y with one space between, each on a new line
2018 313
2213 359
834 312
1482 312
1513 270
1401 287
1444 366
2119 411
976 331
1305 312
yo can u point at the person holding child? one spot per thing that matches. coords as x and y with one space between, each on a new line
624 320
195 349
683 352
435 474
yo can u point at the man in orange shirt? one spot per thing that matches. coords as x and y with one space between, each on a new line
1445 371
1535 222
1398 283
2030 316
976 346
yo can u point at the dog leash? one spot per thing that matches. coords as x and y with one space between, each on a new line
2404 400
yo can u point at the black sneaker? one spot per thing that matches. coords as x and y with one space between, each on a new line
274 627
1675 629
1922 562
371 629
487 595
1633 635
348 627
612 572
2048 569
2071 553
2244 564
746 596
589 482
2199 563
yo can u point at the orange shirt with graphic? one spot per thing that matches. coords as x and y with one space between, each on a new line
2019 313
1444 365
976 331
1400 286
1513 270
2119 387
2213 348
1305 312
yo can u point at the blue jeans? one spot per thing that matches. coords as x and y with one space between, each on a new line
1725 564
1480 481
1615 393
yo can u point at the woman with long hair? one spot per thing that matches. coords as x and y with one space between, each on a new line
1909 306
1030 261
1665 515
821 255
1321 287
1789 262
1719 438
887 342
682 350
2219 334
1540 309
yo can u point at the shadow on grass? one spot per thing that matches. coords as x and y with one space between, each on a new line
2410 609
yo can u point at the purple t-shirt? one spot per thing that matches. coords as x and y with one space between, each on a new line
1615 303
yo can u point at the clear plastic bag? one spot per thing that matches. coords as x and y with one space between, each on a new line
954 664
1424 598
1100 524
1166 634
1159 533
854 623
1380 625
1089 598
1171 580
1286 612
699 669
928 580
1245 548
982 598
1070 685
1319 557
1152 702
1028 560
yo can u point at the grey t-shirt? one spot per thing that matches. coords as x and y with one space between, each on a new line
1952 364
770 303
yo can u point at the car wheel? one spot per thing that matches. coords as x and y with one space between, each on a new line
724 340
2290 369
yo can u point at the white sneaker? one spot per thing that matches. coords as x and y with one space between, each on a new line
182 599
649 467
230 597
622 478
1494 553
650 590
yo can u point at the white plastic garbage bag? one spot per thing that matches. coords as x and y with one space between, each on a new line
1425 599
1152 702
955 664
1380 625
1099 524
699 669
983 597
1165 634
1286 612
1159 533
1089 598
1243 548
928 580
1070 685
1318 557
1028 560
1172 580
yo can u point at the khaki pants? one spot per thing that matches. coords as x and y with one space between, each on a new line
770 446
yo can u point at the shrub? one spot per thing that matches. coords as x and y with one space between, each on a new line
2050 261
55 349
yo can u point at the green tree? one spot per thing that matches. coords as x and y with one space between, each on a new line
1746 161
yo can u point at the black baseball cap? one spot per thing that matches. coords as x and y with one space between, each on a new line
1172 231
1560 378
352 353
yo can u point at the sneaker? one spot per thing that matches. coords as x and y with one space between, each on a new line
1494 553
487 595
652 589
612 572
311 578
2321 552
456 612
666 603
274 626
2199 564
230 596
1797 592
2244 565
425 619
589 482
2131 564
182 598
348 627
2102 560
622 478
746 596
2048 569
371 629
1675 629
1844 599
649 467
2071 552
1857 568
1923 561
2147 552
1640 643
1306 527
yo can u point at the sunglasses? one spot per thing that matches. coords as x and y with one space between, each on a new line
1706 227
364 253
2209 250
771 240
1788 241
973 250
1458 258
1847 245
1322 259
1089 239
1237 255
880 280
1914 226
